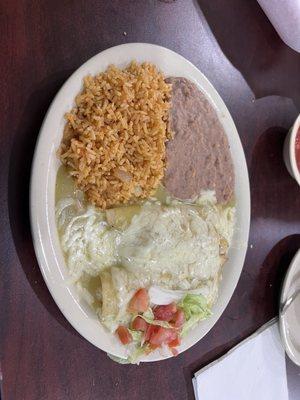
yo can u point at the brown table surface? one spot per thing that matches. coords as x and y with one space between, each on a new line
235 46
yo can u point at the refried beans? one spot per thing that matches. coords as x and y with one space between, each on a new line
198 157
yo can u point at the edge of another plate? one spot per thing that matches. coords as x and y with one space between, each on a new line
294 267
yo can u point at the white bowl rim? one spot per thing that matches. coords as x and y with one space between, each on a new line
292 149
37 180
283 297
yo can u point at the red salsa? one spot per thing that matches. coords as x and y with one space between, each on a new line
297 149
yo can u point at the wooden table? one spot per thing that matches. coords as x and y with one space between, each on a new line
234 45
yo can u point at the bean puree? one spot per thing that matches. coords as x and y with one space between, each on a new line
198 157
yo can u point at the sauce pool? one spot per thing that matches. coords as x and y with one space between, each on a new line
297 149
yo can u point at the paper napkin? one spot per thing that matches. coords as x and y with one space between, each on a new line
255 369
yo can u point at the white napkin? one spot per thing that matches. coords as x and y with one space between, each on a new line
255 369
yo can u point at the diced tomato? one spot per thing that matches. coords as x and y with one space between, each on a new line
178 319
139 302
124 334
139 324
150 330
175 342
165 313
162 336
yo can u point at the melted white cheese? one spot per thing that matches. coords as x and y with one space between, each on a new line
175 246
88 242
173 240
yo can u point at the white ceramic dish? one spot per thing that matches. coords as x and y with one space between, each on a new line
42 195
289 319
289 153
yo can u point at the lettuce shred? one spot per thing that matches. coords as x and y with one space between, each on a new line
195 309
133 358
148 316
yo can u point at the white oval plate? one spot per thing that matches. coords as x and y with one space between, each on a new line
42 194
289 322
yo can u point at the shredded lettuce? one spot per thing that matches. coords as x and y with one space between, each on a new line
137 336
133 358
119 360
138 352
195 309
148 316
